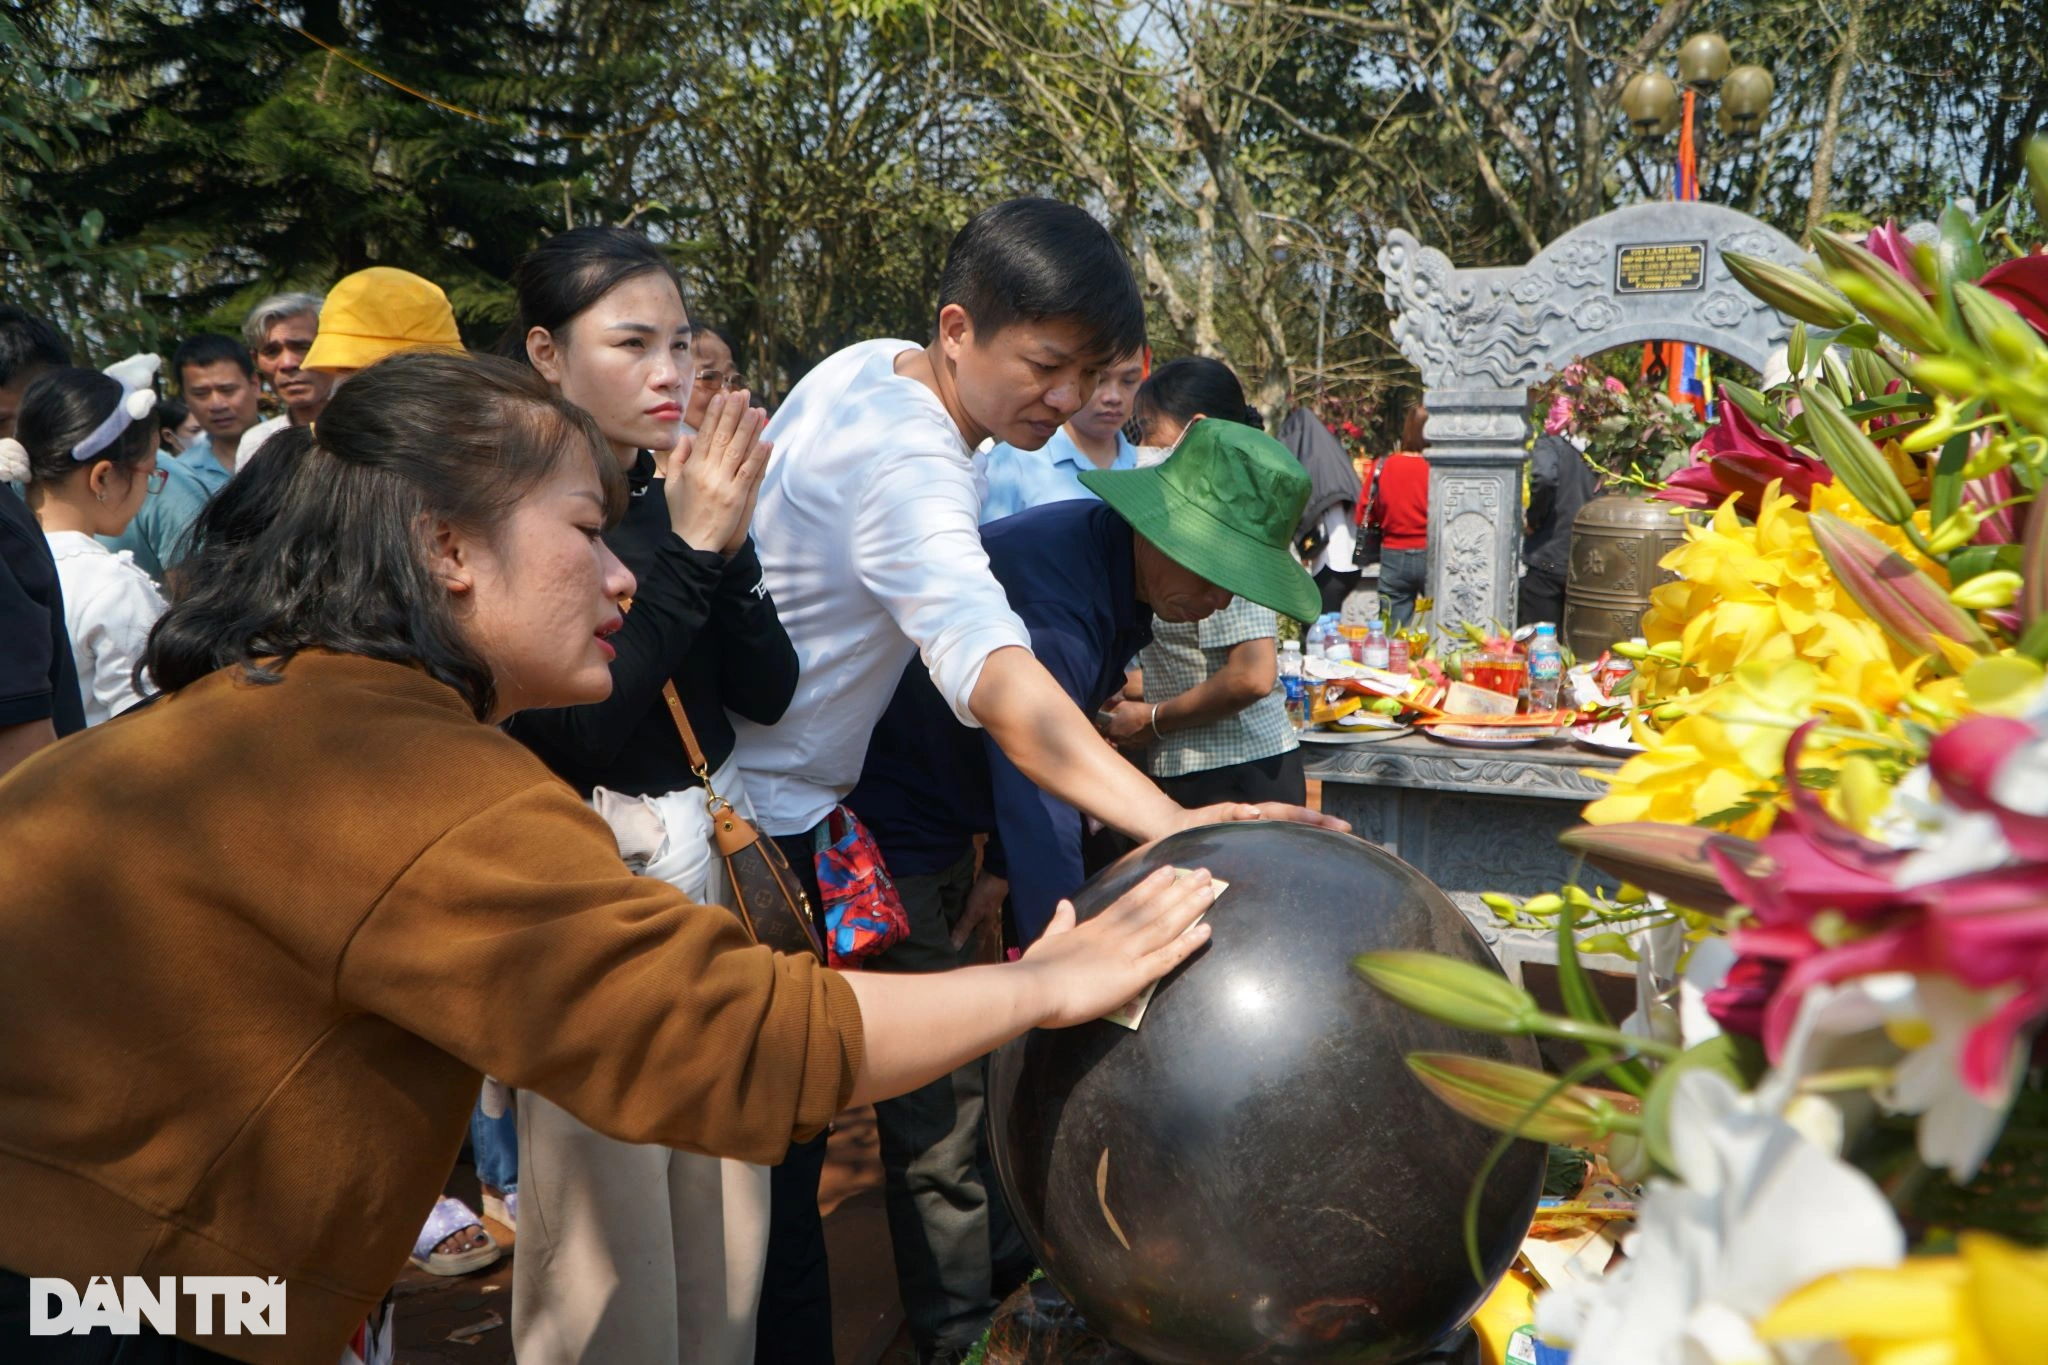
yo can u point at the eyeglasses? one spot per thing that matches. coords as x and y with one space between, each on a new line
720 379
271 350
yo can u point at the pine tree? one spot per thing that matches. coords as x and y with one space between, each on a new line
271 161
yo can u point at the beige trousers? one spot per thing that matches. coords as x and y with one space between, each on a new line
629 1254
632 1255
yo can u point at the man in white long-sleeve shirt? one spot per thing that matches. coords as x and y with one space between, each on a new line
867 532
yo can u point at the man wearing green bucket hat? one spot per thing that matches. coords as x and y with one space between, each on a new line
1223 504
1086 578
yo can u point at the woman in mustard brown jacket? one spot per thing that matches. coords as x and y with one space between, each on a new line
259 937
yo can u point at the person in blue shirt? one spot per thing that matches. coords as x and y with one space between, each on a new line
217 380
1092 438
1177 541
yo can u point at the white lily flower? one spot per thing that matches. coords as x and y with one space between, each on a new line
1757 1212
1946 841
1957 1128
1705 970
1872 1020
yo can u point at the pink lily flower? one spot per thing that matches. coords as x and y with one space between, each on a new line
1891 245
1985 929
2023 285
1738 456
2005 526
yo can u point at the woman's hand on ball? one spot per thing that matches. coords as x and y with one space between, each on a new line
1089 969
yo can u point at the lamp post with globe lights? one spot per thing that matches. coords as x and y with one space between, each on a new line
1655 104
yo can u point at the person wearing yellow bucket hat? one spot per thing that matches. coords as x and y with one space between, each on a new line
379 312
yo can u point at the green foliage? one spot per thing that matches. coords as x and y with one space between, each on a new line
58 260
164 162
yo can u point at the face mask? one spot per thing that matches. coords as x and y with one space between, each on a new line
1147 456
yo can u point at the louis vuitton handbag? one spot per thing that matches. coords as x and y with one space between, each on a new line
766 894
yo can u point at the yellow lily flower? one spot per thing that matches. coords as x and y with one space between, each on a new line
1986 1305
1765 630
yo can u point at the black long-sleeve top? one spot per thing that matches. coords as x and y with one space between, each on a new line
700 620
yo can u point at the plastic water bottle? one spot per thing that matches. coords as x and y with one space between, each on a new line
1375 654
1323 639
1397 655
1546 668
1294 684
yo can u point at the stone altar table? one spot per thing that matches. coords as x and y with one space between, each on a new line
1470 820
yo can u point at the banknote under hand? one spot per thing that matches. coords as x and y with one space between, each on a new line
1132 1013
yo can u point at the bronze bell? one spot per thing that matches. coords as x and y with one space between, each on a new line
1617 539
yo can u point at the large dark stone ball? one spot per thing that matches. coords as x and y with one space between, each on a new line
1254 1174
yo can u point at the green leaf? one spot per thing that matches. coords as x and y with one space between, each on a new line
1947 493
1857 336
2034 644
1972 560
1958 257
1865 408
1581 1001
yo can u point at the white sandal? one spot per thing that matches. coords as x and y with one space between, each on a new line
503 1207
449 1217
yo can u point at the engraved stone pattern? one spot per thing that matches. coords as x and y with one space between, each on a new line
1508 328
1553 771
1467 843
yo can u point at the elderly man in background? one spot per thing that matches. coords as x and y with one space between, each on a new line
280 331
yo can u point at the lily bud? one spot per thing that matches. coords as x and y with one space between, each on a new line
1462 994
1988 591
1855 460
1906 604
1794 293
1628 649
1998 329
1503 1096
1795 351
1994 455
1948 374
1883 295
1957 529
1935 431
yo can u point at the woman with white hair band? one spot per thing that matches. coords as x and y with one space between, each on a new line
86 445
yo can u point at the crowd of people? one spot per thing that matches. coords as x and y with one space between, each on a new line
362 772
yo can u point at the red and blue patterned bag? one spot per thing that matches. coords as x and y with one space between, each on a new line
863 914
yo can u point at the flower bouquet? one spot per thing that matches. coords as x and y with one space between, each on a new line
1830 864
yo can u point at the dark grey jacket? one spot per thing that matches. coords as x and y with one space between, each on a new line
1560 483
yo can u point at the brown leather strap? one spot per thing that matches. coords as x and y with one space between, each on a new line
675 709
